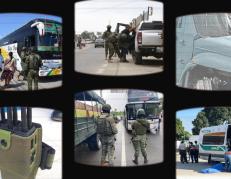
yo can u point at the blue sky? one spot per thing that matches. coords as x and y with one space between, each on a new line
187 116
12 21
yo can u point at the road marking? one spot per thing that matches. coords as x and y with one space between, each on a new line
123 151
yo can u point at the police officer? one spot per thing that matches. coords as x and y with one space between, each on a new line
196 152
105 36
106 129
139 138
34 62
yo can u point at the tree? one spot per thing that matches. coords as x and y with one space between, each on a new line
217 115
200 122
179 130
85 35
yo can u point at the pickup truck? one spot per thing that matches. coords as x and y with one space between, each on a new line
148 40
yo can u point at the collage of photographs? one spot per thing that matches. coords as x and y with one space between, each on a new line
114 85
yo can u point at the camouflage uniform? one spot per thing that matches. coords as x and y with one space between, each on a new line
33 62
113 45
107 137
108 48
24 57
139 139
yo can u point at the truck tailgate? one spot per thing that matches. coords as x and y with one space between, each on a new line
151 38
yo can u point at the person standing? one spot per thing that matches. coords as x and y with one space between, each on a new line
1 60
24 56
113 46
106 129
105 36
34 62
192 152
196 152
228 158
9 69
183 152
124 43
139 137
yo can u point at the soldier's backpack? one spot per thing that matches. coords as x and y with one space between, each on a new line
104 126
34 62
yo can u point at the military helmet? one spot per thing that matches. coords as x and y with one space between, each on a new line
106 107
108 26
140 112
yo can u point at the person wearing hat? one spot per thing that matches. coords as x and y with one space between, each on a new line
106 130
139 137
107 47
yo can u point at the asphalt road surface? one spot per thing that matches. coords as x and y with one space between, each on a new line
124 151
191 170
21 85
91 60
52 135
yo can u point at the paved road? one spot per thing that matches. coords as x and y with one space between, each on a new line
191 170
91 60
21 85
124 150
52 135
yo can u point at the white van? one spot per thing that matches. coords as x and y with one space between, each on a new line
213 142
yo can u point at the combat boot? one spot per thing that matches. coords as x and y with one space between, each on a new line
135 160
145 160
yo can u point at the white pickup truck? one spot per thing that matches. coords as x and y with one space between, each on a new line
148 40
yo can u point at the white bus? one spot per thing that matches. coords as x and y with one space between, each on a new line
213 142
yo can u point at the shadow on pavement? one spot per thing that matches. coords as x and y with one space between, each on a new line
12 86
153 62
194 166
48 79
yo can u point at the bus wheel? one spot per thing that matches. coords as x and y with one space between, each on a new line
209 159
94 143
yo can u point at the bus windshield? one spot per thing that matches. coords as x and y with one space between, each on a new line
151 110
52 38
49 39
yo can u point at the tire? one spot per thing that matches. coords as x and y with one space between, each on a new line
137 57
94 143
199 79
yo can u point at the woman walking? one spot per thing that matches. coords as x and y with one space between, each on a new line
8 70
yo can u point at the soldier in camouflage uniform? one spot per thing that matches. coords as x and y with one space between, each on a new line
113 45
24 56
33 62
139 139
106 129
105 36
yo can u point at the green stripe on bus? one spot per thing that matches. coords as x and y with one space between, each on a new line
213 148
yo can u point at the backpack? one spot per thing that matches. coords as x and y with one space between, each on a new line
104 126
34 62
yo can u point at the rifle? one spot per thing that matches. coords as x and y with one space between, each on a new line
22 151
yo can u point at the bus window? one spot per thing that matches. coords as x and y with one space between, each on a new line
30 41
215 139
152 110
